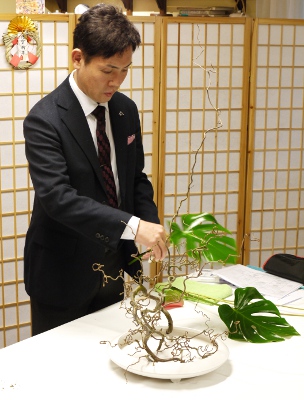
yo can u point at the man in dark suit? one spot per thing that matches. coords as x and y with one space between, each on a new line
73 226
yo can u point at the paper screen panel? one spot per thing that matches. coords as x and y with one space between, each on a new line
19 91
141 86
204 82
275 216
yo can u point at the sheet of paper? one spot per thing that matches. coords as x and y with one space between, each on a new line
291 298
267 284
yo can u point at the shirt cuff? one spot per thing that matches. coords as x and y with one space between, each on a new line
131 229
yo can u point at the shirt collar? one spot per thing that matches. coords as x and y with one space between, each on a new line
88 105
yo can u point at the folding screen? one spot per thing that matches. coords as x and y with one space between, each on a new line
19 91
141 85
204 91
275 193
197 92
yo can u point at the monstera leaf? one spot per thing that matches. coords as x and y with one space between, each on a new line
204 238
254 321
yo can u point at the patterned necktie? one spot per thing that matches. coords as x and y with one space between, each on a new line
104 151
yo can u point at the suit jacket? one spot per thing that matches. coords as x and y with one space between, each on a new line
71 225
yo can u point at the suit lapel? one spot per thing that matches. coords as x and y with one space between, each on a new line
75 120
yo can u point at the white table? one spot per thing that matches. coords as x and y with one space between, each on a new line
70 363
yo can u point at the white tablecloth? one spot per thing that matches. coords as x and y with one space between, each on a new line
70 363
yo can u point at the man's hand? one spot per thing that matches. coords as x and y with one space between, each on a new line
153 236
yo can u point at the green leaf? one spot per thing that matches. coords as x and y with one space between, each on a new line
257 322
195 219
204 220
204 238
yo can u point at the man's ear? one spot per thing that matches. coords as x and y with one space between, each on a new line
77 57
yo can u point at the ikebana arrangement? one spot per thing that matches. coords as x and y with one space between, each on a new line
154 338
196 240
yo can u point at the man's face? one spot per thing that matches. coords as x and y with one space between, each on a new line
101 77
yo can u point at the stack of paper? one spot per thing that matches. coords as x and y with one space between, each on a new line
267 284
